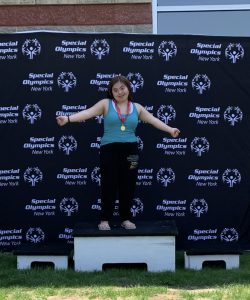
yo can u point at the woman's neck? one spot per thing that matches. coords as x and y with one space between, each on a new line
122 103
124 106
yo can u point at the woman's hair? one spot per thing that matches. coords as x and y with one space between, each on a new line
123 80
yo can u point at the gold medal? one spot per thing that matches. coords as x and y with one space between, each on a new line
123 119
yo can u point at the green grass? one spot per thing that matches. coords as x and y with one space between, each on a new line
45 283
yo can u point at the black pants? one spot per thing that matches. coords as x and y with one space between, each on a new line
119 164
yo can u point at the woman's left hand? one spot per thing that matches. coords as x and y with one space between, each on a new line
174 132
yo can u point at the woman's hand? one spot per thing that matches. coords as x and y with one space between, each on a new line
174 132
62 120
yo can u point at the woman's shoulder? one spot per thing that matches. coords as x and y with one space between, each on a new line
105 104
104 100
138 106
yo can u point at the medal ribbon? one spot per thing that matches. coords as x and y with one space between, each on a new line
123 119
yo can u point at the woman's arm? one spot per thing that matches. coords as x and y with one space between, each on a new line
99 108
147 117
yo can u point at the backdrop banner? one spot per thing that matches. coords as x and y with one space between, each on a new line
50 176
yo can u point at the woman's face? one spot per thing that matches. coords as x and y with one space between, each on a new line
120 92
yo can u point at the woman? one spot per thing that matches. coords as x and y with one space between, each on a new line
118 151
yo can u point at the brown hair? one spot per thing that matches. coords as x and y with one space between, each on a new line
123 80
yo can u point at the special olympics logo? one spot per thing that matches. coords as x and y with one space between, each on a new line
139 143
231 177
198 207
234 52
99 119
68 206
35 235
99 48
200 145
31 113
33 176
233 115
136 81
31 48
229 235
137 207
67 144
166 113
96 175
67 81
165 176
201 83
167 50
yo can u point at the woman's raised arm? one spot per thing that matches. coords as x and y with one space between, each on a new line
98 109
147 117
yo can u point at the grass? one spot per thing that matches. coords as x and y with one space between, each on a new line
45 283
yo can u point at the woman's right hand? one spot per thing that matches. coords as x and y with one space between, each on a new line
62 120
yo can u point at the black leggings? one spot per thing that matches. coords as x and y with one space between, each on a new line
119 164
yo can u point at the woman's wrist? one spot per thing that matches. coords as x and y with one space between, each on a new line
68 119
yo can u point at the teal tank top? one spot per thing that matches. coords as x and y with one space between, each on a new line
112 126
